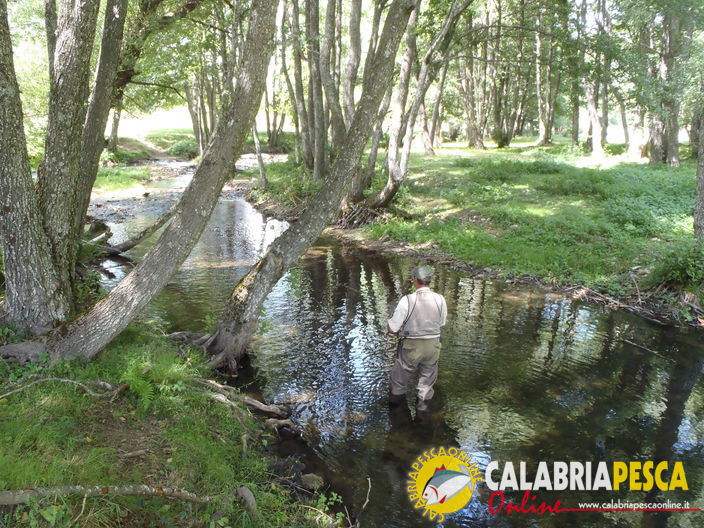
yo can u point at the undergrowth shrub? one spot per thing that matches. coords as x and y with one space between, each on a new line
184 148
681 268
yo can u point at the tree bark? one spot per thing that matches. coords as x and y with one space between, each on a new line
93 139
261 182
350 75
305 117
699 204
441 40
435 134
114 129
337 118
240 315
89 333
58 198
315 91
34 298
594 119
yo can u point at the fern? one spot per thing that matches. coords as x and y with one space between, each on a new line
141 384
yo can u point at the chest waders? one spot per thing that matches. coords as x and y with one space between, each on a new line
402 333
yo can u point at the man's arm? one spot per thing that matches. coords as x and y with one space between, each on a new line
394 324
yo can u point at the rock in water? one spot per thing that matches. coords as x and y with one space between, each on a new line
312 481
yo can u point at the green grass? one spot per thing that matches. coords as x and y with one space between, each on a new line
540 211
116 178
165 138
53 434
288 184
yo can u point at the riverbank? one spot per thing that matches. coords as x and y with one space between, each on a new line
158 426
615 232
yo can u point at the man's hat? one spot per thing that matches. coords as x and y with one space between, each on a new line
422 273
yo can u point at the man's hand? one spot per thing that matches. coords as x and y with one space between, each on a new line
388 329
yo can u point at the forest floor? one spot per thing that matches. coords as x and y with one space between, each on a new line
162 431
614 231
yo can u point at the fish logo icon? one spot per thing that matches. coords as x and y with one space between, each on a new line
441 481
445 484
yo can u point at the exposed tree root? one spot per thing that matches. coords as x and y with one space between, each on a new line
109 390
225 394
22 496
358 215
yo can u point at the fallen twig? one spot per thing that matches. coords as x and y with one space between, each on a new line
24 495
110 390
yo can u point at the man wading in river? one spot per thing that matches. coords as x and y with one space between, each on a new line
417 321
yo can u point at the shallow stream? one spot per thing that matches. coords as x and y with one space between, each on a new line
525 375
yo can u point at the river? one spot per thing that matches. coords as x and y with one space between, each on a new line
525 375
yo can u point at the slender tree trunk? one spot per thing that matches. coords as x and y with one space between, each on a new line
398 111
90 332
441 40
93 141
261 182
114 129
425 132
350 75
337 119
240 316
624 117
305 120
594 120
315 91
435 134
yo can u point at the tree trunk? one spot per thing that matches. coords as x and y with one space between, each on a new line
114 128
624 118
699 205
315 91
240 316
435 134
657 145
93 141
594 119
261 182
305 117
441 40
350 75
58 201
90 332
425 132
398 112
34 299
337 119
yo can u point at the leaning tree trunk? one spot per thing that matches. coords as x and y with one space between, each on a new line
239 319
89 333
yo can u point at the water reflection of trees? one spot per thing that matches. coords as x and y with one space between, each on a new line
526 375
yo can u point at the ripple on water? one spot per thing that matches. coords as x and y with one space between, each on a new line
524 375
